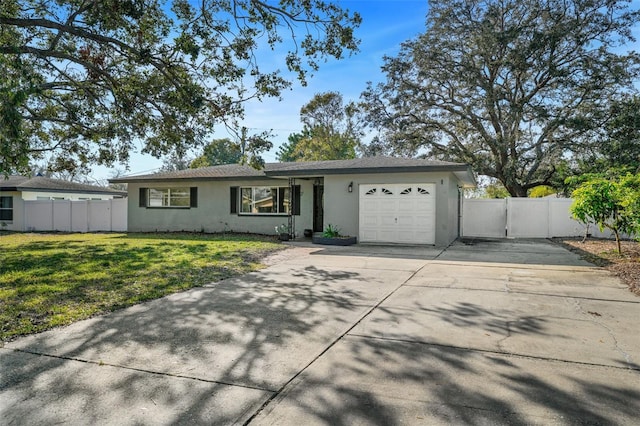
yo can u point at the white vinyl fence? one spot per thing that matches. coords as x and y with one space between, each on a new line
522 218
76 216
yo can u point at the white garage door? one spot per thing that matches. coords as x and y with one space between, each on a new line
398 213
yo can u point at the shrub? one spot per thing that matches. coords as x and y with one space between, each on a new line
612 203
331 231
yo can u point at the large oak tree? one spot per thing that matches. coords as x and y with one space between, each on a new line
87 81
509 86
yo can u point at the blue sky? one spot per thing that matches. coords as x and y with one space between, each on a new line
386 24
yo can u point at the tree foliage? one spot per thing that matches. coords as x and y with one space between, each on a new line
245 149
217 152
541 191
252 146
288 151
332 130
508 86
175 162
495 190
616 143
89 80
611 203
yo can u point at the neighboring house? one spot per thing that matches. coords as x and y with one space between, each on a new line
377 199
15 190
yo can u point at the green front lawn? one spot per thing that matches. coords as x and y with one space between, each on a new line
51 280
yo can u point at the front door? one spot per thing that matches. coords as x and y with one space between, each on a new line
318 208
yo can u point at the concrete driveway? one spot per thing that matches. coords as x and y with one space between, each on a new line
492 332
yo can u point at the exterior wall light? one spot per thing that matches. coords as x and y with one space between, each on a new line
350 187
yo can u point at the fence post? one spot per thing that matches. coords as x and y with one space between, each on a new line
507 205
549 218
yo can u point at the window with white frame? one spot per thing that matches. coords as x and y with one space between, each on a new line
169 197
264 200
6 208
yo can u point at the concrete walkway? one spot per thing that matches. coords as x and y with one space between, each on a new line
493 332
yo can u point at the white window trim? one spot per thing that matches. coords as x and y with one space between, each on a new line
252 188
168 193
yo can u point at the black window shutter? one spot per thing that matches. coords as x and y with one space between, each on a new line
193 196
143 197
281 200
234 200
296 200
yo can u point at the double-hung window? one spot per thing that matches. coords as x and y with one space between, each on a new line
6 208
264 200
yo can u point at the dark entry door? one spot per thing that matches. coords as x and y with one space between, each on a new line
318 208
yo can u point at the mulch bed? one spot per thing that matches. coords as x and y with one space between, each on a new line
604 253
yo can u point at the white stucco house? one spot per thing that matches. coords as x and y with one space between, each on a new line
15 190
377 199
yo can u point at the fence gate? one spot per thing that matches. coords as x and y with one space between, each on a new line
522 218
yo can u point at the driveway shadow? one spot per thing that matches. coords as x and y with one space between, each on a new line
377 381
252 333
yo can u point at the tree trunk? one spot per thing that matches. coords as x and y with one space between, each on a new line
516 190
615 231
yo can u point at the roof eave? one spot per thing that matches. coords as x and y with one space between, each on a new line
366 170
185 179
72 191
467 178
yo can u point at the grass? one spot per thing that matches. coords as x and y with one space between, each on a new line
49 280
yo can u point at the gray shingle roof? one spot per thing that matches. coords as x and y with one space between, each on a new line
40 183
227 171
306 168
364 165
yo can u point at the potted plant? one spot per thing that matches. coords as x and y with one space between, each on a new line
331 236
283 232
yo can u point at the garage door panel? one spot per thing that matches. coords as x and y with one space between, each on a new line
404 213
370 205
369 221
406 221
407 206
387 208
386 234
369 235
425 236
387 221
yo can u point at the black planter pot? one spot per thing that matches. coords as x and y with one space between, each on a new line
283 237
340 241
